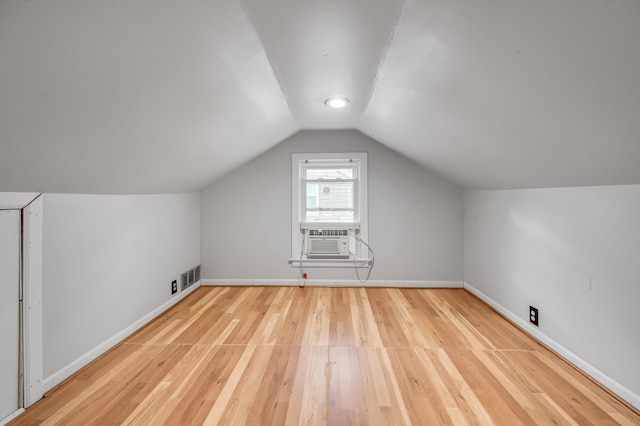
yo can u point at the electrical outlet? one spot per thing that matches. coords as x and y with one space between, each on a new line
174 287
533 315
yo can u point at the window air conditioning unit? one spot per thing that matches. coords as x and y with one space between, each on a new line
328 243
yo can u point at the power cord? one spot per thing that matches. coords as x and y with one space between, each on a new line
303 275
371 262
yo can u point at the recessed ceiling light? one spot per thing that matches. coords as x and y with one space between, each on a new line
336 102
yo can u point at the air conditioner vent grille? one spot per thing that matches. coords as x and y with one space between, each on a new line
322 246
328 232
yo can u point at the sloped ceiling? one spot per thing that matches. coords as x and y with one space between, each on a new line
153 96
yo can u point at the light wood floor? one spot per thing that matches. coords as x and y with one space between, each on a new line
338 356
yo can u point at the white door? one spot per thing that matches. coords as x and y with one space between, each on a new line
9 310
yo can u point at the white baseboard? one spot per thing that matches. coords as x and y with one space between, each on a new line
11 416
615 387
333 283
65 372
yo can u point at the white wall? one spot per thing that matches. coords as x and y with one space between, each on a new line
108 263
415 216
574 254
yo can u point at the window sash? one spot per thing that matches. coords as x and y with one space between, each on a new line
334 165
337 165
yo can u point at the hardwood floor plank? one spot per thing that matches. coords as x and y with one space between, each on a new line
309 398
245 393
440 389
103 384
409 327
129 397
563 393
363 321
474 339
199 397
395 386
377 400
347 404
274 319
329 356
271 403
387 321
193 328
222 401
295 318
602 400
418 391
317 330
555 407
171 391
466 397
518 390
494 394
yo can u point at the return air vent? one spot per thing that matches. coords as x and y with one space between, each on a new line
189 278
184 282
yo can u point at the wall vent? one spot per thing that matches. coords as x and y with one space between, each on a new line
189 278
183 281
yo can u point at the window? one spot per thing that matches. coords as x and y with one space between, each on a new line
329 191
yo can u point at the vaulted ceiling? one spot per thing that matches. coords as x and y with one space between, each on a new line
149 96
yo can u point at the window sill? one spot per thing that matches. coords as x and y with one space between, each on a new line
329 263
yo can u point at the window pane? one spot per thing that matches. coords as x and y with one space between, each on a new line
330 195
329 173
312 195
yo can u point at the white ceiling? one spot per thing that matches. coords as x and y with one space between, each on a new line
150 96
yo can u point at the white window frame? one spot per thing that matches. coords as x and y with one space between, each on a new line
360 208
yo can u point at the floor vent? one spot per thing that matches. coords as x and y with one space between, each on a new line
189 278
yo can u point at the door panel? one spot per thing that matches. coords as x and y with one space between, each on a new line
9 310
